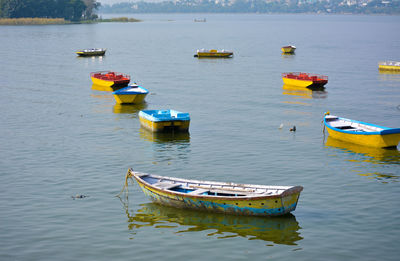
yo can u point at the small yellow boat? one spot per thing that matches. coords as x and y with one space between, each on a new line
91 52
222 197
164 120
389 66
362 133
301 79
289 49
131 94
213 53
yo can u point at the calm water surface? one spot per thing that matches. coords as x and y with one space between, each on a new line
61 137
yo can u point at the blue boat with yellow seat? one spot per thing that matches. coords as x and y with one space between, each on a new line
131 94
362 133
222 197
164 120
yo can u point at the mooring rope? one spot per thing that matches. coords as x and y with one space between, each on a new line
125 187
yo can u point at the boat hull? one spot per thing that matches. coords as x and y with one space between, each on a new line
86 54
288 50
298 83
371 140
389 68
258 206
130 95
306 80
159 126
214 55
380 138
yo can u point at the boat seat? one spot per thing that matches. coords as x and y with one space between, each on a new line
166 185
198 192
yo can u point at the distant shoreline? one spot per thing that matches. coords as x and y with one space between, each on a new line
58 21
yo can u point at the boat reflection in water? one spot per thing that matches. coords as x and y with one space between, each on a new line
102 88
278 230
165 137
129 108
364 154
302 92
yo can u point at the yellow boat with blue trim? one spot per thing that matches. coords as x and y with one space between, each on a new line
389 66
362 133
288 49
222 197
213 53
131 94
164 120
306 80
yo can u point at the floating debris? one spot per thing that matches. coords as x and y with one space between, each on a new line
79 196
293 129
281 126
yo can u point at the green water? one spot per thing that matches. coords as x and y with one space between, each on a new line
59 137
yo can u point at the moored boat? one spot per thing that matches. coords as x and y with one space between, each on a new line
389 66
222 197
301 79
213 53
109 78
289 49
91 52
131 94
164 120
362 133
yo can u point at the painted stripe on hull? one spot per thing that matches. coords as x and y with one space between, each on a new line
257 207
160 125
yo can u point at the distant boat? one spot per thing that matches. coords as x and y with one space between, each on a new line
289 49
200 20
389 66
109 78
222 197
164 120
358 132
131 94
304 79
213 53
91 52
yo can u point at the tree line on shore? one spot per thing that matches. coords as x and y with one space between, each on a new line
255 6
72 10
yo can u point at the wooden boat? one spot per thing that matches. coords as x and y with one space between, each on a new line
131 94
164 120
110 79
289 49
389 66
91 52
362 133
213 53
301 79
223 197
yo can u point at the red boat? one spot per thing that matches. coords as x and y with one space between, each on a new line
111 79
304 79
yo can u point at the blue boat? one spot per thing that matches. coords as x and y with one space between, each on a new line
164 120
131 94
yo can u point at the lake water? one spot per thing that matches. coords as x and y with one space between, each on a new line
60 137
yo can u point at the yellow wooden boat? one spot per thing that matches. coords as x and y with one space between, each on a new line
164 120
222 197
389 66
358 132
213 53
301 79
109 78
289 49
131 94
